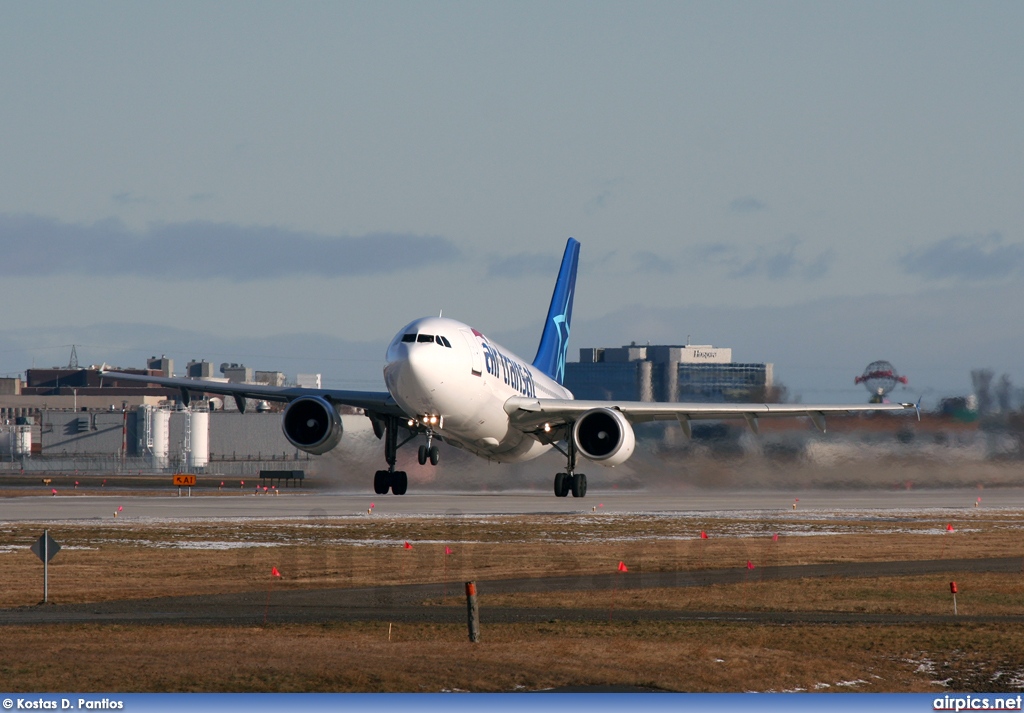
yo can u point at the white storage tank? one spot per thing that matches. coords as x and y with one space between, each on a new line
199 439
23 440
160 438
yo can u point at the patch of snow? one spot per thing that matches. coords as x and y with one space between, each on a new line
200 545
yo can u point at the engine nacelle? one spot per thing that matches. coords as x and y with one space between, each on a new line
605 436
312 424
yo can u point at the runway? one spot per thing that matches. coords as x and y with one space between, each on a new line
297 503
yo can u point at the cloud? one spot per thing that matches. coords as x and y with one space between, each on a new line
778 261
125 198
981 257
746 204
37 246
546 264
647 261
604 196
523 264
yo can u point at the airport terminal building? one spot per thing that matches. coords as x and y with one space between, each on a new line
691 373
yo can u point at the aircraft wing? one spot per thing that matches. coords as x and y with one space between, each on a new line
377 402
530 415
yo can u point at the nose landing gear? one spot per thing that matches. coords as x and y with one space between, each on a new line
429 451
428 454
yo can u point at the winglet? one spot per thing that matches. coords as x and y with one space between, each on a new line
554 341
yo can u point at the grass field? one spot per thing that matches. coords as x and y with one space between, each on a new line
126 559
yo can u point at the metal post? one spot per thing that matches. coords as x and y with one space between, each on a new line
46 565
473 611
124 433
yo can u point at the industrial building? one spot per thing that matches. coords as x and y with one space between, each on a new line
693 373
74 390
149 440
72 419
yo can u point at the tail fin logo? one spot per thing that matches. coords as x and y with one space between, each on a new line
561 323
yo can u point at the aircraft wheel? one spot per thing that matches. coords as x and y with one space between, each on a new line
579 485
421 456
434 455
399 482
561 485
381 482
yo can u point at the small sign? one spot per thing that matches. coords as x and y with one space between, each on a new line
182 480
45 547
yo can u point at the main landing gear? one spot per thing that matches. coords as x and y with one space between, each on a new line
394 480
574 482
570 481
397 481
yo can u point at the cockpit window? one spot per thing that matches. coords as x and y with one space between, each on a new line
444 340
408 337
424 337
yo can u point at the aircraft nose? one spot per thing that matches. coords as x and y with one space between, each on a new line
408 369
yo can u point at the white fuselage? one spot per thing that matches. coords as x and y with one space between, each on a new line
438 367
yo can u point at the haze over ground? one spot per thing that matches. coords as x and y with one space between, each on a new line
814 185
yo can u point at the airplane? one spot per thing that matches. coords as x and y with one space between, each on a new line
448 382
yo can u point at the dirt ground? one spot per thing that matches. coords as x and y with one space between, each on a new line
132 560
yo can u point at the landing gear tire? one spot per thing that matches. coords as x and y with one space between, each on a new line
422 455
579 485
381 482
434 455
399 482
562 484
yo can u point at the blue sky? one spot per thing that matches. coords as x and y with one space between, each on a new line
813 184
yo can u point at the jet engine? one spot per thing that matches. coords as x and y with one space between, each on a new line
312 424
605 436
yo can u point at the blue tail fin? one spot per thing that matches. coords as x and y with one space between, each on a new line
554 341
